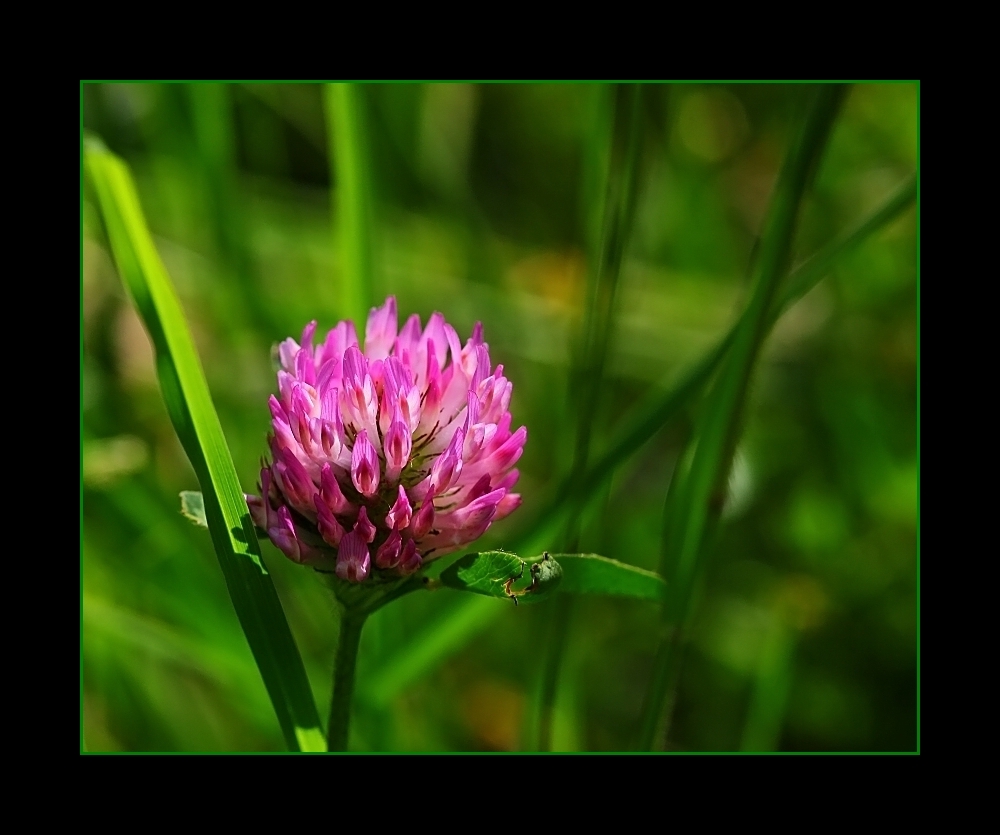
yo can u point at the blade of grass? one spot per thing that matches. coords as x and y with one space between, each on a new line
698 492
664 404
189 404
772 682
343 106
216 146
619 164
805 276
616 224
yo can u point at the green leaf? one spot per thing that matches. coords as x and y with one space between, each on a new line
189 404
503 575
594 574
193 506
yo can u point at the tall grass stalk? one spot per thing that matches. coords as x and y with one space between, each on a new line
664 404
622 127
215 144
349 167
694 505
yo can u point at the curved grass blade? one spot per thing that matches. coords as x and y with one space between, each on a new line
502 575
662 406
696 502
804 277
594 574
716 435
189 403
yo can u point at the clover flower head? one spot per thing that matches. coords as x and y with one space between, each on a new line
384 458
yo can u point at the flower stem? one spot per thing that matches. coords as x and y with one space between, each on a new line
343 679
655 721
561 613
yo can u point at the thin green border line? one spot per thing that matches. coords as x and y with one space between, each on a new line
917 589
83 741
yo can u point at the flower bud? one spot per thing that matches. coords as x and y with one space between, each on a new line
353 559
364 465
389 552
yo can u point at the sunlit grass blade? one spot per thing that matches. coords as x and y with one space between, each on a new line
346 134
698 495
189 404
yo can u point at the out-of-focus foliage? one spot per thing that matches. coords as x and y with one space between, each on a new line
805 634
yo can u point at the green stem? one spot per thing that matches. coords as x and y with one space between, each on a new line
561 615
344 108
624 135
666 665
665 669
343 680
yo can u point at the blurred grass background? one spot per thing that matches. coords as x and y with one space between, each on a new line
805 638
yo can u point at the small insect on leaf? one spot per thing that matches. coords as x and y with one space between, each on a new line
506 586
545 576
193 506
502 575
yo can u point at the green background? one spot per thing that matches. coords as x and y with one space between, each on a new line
805 634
